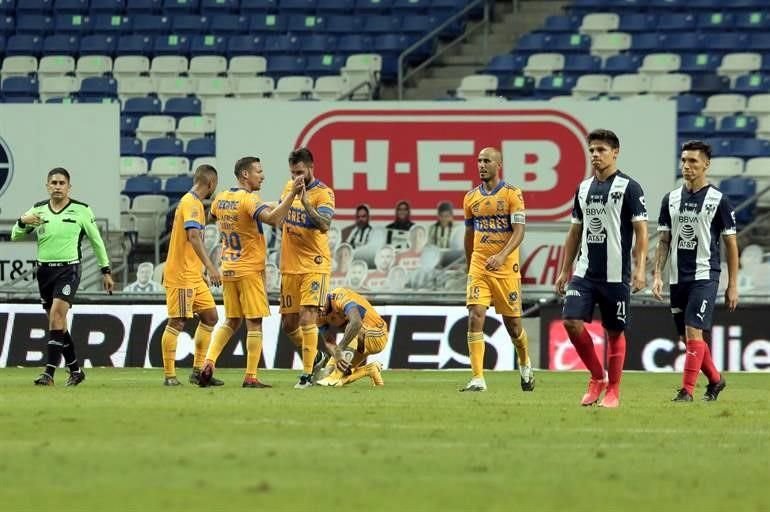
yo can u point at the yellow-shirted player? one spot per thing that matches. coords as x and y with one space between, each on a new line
187 292
494 229
305 260
365 332
240 215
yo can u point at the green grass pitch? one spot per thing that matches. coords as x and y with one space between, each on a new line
121 441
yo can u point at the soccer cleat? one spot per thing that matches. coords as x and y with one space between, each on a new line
611 399
171 381
253 382
527 378
475 384
332 380
374 371
76 378
305 381
682 396
713 390
43 380
205 376
594 391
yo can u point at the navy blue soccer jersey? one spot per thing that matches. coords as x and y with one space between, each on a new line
696 220
607 211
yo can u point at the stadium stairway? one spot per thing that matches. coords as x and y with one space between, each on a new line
467 58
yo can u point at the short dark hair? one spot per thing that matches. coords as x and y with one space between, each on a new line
362 207
58 170
698 145
445 206
204 170
243 164
301 155
607 136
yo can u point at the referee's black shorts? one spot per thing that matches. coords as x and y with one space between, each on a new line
57 281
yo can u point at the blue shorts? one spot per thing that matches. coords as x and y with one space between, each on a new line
613 300
692 304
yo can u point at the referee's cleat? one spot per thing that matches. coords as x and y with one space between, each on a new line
76 378
43 380
527 378
253 382
171 381
205 376
475 384
682 396
305 381
713 390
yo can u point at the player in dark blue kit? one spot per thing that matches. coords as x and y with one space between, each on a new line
609 211
694 217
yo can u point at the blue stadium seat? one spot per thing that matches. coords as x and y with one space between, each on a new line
181 107
134 45
19 86
657 5
107 6
647 42
98 87
516 87
752 21
24 44
303 6
128 125
621 63
97 99
689 104
760 41
163 146
258 6
533 42
215 7
150 24
506 64
636 22
23 99
750 148
7 25
130 146
337 24
354 43
299 23
382 24
419 24
144 6
284 65
578 64
720 146
326 64
229 24
61 45
557 85
327 7
111 24
739 189
587 6
139 107
34 24
282 45
34 6
738 126
171 44
708 84
373 6
203 146
245 45
695 63
142 184
394 44
177 7
318 43
561 24
719 21
696 127
189 24
676 22
564 43
754 83
727 42
410 7
2 43
7 7
208 45
266 23
98 45
70 6
685 42
707 5
72 24
176 187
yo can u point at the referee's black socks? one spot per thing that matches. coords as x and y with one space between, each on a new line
70 359
56 343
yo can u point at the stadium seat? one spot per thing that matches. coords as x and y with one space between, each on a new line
167 166
750 148
293 87
419 24
19 65
93 65
321 65
182 107
707 84
622 64
739 189
752 84
696 127
582 64
534 42
57 87
7 25
715 21
505 65
282 45
175 86
670 85
135 87
207 66
177 186
624 86
167 66
189 24
34 24
207 45
202 146
725 167
329 87
110 24
690 104
60 45
142 106
151 24
180 7
246 66
738 126
543 64
557 23
558 85
589 86
660 63
129 66
107 6
647 42
477 86
341 25
565 43
726 41
758 105
22 44
155 126
515 87
128 125
229 24
284 65
609 44
318 43
244 46
700 63
752 21
130 146
134 45
144 6
148 207
268 23
75 24
98 44
335 6
737 64
354 43
98 87
637 22
676 22
686 41
163 146
305 24
599 23
213 86
215 7
171 45
19 86
373 6
259 6
721 105
410 7
193 127
253 86
380 24
132 166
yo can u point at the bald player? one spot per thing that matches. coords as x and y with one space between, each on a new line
494 230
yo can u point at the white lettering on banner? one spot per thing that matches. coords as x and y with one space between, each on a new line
532 164
17 261
375 167
432 170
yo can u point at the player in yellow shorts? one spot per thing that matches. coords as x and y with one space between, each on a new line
494 229
187 292
305 261
240 215
365 334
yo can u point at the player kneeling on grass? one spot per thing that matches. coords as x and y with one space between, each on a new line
365 333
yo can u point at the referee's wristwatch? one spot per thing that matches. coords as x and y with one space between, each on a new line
20 223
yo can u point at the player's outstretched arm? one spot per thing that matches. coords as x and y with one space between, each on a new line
661 255
570 253
731 252
639 277
275 216
351 332
196 240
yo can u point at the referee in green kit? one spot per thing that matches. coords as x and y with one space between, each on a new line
60 224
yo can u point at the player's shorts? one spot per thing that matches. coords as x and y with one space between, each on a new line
183 302
692 304
613 300
374 340
246 297
502 292
57 281
303 290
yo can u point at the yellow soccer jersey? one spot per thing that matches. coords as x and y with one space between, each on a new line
183 268
304 249
492 215
338 304
240 232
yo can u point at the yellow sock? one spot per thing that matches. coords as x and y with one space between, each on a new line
253 352
296 337
221 336
202 339
522 347
476 347
168 347
309 347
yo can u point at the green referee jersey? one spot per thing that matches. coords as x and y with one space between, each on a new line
59 236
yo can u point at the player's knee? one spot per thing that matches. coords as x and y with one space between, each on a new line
209 317
176 323
233 323
475 318
573 326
